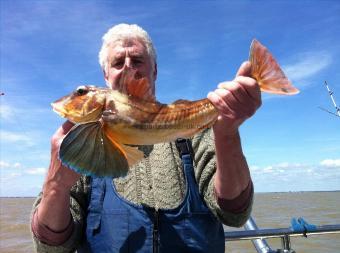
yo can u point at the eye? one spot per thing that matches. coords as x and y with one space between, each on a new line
117 64
82 90
137 61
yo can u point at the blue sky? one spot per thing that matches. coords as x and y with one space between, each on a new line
50 47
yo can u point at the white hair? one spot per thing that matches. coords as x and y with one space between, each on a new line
121 32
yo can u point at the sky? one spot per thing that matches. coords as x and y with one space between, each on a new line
48 48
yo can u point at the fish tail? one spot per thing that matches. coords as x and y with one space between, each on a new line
267 72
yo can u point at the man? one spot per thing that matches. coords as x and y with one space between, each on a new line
163 204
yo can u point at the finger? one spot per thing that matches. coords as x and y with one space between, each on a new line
251 86
242 85
66 127
238 91
228 98
243 109
238 99
243 80
219 103
225 85
245 69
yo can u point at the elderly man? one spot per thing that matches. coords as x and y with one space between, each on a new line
167 202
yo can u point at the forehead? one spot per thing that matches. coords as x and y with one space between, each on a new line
131 46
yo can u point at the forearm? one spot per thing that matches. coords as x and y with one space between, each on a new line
54 209
232 172
45 235
52 221
233 212
63 241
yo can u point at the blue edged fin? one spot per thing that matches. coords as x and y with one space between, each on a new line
87 150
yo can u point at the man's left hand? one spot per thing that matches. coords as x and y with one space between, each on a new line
236 101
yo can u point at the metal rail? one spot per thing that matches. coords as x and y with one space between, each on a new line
258 236
275 233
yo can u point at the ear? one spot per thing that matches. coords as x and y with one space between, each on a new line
105 75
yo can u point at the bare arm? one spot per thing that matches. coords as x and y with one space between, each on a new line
54 208
236 101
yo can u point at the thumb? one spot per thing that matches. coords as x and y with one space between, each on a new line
245 69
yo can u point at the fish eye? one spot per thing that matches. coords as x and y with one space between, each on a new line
82 90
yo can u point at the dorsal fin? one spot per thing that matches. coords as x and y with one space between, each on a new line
140 88
135 86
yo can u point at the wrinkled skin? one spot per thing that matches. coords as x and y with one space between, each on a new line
129 55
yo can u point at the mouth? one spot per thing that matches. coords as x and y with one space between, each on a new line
59 109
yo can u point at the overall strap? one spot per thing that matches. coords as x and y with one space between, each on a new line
184 147
97 193
186 153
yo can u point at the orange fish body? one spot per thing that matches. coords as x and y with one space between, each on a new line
108 122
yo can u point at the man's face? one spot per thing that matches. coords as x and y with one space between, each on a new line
129 55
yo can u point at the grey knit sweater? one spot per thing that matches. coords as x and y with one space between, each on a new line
156 181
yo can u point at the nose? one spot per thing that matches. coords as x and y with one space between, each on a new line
128 63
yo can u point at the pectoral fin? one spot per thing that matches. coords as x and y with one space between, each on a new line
87 150
132 154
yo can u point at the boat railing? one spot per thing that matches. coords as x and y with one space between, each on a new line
299 227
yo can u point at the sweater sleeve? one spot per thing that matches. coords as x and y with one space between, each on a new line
205 168
78 206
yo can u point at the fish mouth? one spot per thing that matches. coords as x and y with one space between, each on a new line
59 109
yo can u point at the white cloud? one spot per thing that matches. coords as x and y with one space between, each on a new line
307 65
36 171
17 169
6 165
331 163
17 165
15 174
18 109
297 177
14 182
5 112
13 137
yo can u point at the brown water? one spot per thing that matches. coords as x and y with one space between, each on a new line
271 210
275 210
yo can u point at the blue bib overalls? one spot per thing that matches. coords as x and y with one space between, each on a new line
117 225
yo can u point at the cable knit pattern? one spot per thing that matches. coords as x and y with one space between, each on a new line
156 181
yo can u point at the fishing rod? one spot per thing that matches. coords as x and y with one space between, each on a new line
337 109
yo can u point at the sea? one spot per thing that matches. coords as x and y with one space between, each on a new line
271 210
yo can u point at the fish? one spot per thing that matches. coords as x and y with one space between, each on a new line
110 125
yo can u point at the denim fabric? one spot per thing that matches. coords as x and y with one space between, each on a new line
117 225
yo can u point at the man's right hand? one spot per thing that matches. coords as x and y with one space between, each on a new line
54 209
59 175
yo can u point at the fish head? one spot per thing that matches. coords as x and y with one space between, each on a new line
84 104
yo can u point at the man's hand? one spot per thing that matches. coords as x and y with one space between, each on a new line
236 101
53 211
59 175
